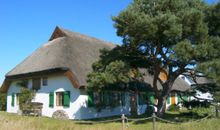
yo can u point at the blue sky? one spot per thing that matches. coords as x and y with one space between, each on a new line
27 24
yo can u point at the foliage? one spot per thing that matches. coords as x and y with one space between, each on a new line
196 103
174 108
211 66
150 110
216 96
202 111
108 75
160 35
25 95
23 83
3 101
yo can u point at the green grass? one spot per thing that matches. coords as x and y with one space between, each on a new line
15 122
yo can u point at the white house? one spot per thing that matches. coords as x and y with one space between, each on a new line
58 72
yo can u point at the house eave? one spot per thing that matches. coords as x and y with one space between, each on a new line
63 71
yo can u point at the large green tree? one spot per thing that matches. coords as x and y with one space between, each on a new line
211 67
170 35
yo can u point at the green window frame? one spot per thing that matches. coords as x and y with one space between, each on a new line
51 99
168 99
13 99
178 99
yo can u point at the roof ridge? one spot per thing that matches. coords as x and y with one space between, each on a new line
84 36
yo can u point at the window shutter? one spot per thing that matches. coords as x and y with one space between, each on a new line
178 99
123 99
168 100
51 99
90 99
151 99
66 99
13 99
185 98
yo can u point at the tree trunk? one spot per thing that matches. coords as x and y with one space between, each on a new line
161 106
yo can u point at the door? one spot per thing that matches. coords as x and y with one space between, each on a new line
173 98
133 104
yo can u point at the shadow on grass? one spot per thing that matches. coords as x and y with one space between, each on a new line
178 117
98 120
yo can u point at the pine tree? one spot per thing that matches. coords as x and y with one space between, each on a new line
171 35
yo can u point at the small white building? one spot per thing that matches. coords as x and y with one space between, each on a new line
196 84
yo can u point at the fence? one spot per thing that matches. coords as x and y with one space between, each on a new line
125 121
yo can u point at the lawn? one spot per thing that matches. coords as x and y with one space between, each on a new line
15 122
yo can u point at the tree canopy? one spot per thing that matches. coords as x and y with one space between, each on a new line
161 35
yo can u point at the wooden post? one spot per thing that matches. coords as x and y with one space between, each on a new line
123 121
216 111
154 121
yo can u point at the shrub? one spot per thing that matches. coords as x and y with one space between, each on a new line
173 107
150 110
3 101
25 97
195 104
201 111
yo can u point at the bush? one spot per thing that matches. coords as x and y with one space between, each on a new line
195 104
202 111
3 101
25 97
173 107
150 110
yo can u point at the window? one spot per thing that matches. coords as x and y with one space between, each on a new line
60 98
36 83
44 81
106 98
63 98
142 99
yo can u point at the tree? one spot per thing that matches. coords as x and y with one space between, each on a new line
3 101
171 35
211 67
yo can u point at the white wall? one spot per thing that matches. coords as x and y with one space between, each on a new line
78 106
87 113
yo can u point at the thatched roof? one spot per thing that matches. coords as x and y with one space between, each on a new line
201 80
179 84
65 50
